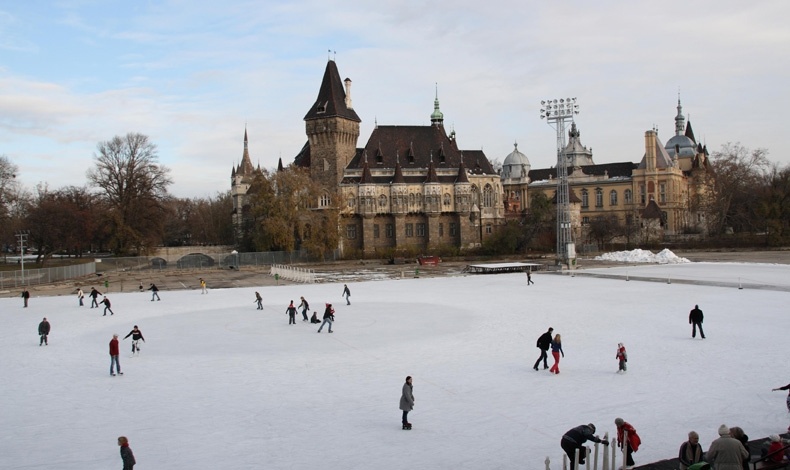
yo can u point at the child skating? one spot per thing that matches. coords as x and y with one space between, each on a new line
622 357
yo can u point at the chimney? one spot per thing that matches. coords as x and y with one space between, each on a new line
347 81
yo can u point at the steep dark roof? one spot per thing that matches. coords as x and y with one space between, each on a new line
572 197
621 169
331 100
398 177
367 178
432 178
415 146
689 131
302 158
462 178
652 211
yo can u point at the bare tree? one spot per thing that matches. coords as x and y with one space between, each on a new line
134 185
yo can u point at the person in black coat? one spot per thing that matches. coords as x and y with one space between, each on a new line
543 344
154 292
94 295
329 317
695 319
574 440
314 318
291 311
107 305
25 296
127 456
43 332
136 335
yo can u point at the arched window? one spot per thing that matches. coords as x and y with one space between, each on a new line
488 196
352 201
613 198
585 198
447 200
598 197
382 201
325 201
628 196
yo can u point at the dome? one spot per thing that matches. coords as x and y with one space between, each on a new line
686 146
516 165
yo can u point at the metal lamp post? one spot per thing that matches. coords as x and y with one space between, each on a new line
559 113
22 235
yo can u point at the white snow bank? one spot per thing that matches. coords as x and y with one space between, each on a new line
665 256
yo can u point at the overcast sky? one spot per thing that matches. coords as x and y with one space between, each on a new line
192 74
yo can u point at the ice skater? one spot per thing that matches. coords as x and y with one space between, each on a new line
258 300
633 441
314 318
136 335
203 289
94 294
154 292
543 344
574 440
786 387
695 320
114 353
126 453
107 305
25 296
291 312
556 350
622 357
347 294
43 332
407 402
80 296
529 277
305 307
329 317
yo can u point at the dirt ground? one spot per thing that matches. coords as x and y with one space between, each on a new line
345 271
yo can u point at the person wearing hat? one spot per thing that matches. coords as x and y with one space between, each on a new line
136 335
775 447
573 441
543 344
690 451
726 452
633 440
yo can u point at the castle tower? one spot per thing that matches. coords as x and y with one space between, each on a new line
332 128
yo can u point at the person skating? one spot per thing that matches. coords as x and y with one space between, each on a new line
695 320
786 387
107 304
25 297
329 317
556 350
305 307
529 277
154 292
622 358
543 344
127 456
291 312
114 353
80 296
574 440
690 451
203 289
94 295
633 441
43 332
347 294
406 402
314 318
258 300
136 335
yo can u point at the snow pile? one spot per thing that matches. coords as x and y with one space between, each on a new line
665 256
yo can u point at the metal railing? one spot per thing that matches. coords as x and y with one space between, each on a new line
35 277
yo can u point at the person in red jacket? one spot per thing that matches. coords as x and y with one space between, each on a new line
114 353
633 440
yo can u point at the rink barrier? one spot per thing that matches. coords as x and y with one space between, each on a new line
293 273
608 456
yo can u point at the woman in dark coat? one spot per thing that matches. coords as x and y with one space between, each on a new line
126 453
406 402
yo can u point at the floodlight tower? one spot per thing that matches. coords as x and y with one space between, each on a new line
559 113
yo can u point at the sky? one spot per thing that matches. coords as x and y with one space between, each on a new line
192 75
219 384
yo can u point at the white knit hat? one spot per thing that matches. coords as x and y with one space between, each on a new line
724 430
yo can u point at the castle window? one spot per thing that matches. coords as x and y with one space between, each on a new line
382 201
488 196
452 229
441 229
351 232
642 194
447 200
326 165
585 221
324 201
489 229
389 231
352 201
598 197
409 230
628 196
613 198
420 230
662 193
376 231
320 108
585 199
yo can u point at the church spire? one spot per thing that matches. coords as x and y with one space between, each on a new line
680 120
437 118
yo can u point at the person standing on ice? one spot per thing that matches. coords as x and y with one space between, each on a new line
695 319
543 344
786 387
80 295
406 402
622 357
154 292
633 440
25 296
556 350
94 294
203 289
114 353
347 294
107 305
529 277
329 317
43 332
136 335
574 440
259 301
127 456
291 311
305 307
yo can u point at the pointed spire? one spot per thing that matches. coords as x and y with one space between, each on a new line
680 121
462 178
280 165
690 131
398 177
245 167
437 118
367 178
432 177
331 100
